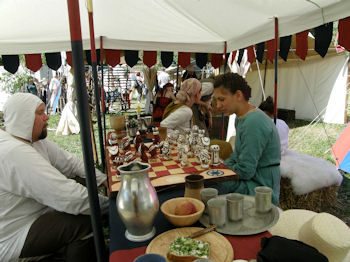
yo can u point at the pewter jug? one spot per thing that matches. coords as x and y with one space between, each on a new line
137 201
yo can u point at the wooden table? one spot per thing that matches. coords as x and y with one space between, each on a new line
165 172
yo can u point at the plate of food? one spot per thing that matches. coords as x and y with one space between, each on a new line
177 246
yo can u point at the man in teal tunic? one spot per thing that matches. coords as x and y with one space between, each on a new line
257 155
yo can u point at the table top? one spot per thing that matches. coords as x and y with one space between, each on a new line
123 250
166 172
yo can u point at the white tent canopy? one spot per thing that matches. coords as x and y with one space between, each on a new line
36 26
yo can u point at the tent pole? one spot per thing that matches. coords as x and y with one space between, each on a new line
96 87
222 114
103 95
83 109
276 62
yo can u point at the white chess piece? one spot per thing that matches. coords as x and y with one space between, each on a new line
215 154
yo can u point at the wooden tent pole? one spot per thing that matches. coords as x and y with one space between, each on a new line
96 87
85 136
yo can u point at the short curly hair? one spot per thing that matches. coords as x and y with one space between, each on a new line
233 82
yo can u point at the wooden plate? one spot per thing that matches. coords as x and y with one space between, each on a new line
220 248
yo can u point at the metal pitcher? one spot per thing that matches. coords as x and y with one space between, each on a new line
137 201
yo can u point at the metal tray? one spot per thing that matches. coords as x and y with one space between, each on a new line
252 222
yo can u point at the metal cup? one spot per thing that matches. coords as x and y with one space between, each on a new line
235 206
206 194
263 197
217 211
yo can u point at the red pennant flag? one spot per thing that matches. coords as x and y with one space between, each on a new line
302 44
271 49
184 59
251 54
33 62
112 57
149 58
69 58
233 56
344 33
216 60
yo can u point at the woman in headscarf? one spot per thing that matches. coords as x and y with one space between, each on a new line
178 114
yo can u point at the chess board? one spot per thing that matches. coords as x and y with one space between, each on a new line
168 171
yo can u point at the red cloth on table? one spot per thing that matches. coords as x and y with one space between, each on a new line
244 247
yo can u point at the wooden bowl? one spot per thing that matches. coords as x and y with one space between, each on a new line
168 209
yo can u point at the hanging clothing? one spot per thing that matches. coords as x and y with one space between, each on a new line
256 157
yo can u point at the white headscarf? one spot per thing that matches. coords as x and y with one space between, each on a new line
19 114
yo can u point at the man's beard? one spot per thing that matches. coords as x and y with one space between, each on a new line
43 134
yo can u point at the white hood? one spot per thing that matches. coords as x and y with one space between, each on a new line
19 114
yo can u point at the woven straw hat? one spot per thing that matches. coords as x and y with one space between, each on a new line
325 232
328 234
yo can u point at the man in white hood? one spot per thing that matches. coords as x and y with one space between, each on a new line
42 210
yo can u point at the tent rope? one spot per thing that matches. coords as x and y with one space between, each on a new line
313 102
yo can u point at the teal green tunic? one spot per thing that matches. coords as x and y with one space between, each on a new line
256 156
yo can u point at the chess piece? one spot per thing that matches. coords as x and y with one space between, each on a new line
156 138
113 139
137 140
129 156
215 154
160 147
142 152
126 144
206 143
113 151
180 146
153 151
166 150
184 157
204 158
118 161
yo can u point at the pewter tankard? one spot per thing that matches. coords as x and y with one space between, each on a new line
137 201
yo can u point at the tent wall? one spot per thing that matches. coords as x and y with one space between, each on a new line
311 87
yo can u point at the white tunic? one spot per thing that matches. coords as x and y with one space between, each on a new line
33 179
180 119
31 185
